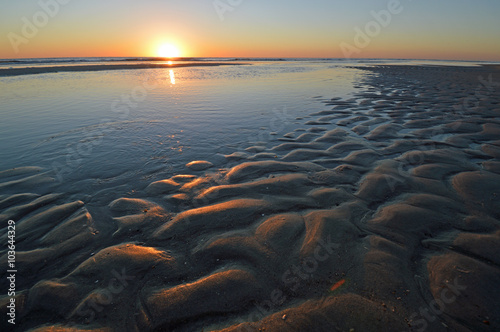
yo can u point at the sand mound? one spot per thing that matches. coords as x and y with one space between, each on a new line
389 222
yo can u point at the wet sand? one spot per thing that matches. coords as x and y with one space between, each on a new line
86 68
379 213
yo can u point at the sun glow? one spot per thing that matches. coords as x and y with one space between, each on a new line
168 51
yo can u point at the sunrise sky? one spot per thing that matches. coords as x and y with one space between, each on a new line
422 29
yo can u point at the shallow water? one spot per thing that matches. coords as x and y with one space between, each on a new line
140 124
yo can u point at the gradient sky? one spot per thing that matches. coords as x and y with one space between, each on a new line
425 29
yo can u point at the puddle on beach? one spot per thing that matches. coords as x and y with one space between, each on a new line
150 123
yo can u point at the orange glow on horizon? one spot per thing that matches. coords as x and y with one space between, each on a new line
161 43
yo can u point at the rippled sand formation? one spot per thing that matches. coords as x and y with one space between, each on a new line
380 213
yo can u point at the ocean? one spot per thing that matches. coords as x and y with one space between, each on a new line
125 128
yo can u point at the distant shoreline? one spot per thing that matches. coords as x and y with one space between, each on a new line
82 68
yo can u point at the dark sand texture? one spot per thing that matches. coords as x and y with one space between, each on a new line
384 216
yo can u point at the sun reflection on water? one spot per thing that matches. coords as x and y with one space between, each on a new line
172 76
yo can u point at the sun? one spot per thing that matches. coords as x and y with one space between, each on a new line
168 51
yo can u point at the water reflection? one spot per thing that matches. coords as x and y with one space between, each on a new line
41 113
172 76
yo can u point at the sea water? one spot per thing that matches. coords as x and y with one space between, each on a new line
117 131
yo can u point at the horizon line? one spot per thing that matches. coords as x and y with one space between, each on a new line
245 57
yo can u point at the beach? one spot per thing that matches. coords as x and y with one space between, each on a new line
374 208
99 67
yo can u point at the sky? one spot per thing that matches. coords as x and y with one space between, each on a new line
416 29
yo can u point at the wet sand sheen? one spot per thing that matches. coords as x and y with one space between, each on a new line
379 213
85 68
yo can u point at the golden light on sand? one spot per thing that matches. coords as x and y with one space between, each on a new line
168 51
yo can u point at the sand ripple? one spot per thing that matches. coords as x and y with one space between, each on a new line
384 218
